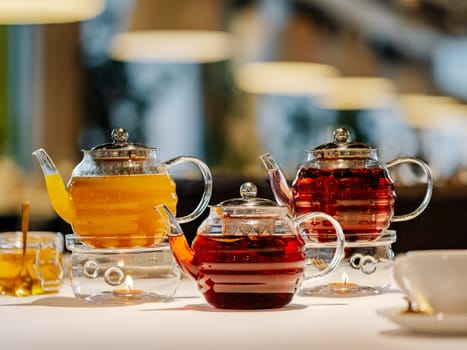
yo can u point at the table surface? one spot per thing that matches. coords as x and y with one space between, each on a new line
60 321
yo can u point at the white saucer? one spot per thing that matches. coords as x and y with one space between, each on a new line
440 323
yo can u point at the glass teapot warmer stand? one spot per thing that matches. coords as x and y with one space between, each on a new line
364 270
122 276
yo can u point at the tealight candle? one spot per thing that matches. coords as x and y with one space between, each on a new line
345 286
127 292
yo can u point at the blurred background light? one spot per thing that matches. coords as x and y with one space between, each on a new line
48 11
287 78
172 46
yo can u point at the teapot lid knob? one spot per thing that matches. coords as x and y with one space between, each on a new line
341 135
248 190
119 136
342 145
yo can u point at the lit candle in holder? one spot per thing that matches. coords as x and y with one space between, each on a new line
127 292
345 286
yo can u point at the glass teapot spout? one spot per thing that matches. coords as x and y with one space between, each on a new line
184 255
58 194
280 188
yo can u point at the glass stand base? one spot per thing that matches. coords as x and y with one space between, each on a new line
120 297
122 275
340 290
365 268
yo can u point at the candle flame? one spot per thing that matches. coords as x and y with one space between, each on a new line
129 283
345 278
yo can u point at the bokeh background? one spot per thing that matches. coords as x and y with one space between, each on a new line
228 80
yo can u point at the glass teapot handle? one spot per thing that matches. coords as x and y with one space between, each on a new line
338 254
207 192
429 187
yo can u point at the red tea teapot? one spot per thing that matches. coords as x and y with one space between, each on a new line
345 179
249 253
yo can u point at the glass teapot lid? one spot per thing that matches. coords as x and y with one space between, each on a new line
248 215
343 146
249 205
121 149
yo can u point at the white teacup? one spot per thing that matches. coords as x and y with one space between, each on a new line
434 280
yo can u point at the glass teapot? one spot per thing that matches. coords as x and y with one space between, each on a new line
249 253
113 191
346 180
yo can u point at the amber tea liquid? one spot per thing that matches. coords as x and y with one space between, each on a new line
362 200
18 281
249 272
118 209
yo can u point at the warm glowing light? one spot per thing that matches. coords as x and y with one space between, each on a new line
173 46
344 286
128 292
48 11
285 78
345 278
129 283
355 93
429 111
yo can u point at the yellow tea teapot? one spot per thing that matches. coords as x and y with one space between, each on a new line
113 191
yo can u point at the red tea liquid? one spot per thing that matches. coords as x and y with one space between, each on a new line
362 200
249 272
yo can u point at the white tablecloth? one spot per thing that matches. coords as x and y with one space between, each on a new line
60 321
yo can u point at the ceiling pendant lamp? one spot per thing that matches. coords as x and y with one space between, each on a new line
284 78
48 11
175 46
148 38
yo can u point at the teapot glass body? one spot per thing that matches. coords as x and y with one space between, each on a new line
347 181
113 191
249 256
247 271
